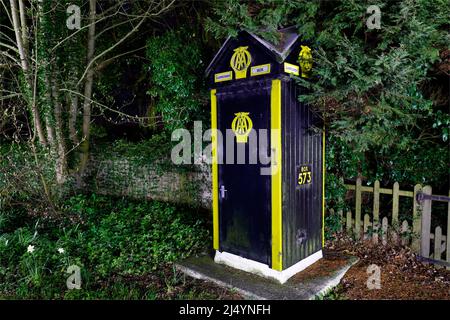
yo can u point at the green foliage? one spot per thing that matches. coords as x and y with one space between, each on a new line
368 81
332 294
263 17
61 54
176 71
152 151
133 238
27 179
107 238
333 225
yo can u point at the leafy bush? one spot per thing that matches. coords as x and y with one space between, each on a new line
135 238
176 72
27 182
107 238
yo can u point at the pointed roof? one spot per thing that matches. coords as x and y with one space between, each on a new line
280 51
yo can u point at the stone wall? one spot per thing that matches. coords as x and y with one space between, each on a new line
122 177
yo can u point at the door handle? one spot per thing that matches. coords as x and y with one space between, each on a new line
222 192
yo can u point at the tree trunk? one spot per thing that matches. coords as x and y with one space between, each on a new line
23 23
61 161
89 81
26 69
74 101
48 123
50 131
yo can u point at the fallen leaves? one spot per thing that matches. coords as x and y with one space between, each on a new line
403 276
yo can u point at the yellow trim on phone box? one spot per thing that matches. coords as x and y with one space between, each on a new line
215 172
323 187
276 183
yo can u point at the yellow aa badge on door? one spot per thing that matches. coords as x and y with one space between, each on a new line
241 126
240 61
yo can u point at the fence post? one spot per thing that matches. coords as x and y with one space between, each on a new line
366 226
395 223
384 230
358 209
437 243
404 232
416 223
448 233
395 199
349 222
426 225
341 220
376 210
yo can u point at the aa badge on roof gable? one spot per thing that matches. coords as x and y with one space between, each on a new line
240 61
305 60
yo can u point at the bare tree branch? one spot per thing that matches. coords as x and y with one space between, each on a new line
145 16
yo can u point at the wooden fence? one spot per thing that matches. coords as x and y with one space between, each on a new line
418 235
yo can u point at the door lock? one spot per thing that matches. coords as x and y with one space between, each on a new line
222 192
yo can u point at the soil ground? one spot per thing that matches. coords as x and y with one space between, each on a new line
403 276
173 285
322 268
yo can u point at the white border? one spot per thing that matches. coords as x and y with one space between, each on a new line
263 270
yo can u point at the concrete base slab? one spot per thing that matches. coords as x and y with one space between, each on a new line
263 270
315 280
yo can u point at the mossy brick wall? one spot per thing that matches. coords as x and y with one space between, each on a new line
122 176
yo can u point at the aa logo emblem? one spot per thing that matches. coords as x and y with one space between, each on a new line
240 61
241 126
306 61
